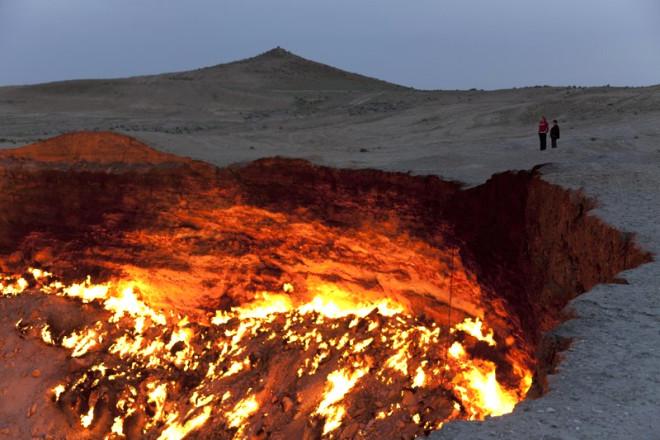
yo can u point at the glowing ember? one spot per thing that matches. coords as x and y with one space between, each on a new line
80 343
57 391
475 329
87 419
322 359
178 431
243 409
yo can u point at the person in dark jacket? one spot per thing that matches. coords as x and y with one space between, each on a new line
543 132
554 133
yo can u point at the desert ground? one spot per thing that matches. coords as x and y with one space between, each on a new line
277 104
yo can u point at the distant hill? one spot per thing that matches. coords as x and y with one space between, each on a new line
279 68
275 81
275 69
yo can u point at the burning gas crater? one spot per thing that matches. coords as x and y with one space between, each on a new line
358 369
284 300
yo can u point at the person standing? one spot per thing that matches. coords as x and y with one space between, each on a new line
554 133
543 132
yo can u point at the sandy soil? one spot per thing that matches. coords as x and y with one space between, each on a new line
278 104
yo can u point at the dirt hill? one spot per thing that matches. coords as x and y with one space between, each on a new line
91 147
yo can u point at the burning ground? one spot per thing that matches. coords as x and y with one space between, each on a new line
280 299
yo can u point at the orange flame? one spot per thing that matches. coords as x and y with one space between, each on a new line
386 325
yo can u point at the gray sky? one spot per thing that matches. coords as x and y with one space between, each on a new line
430 44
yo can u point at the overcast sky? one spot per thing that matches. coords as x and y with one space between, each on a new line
431 44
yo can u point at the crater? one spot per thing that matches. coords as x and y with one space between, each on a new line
281 299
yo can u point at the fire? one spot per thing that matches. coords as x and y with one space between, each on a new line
57 391
177 431
87 419
127 303
156 397
339 384
317 356
117 427
46 336
420 376
12 287
332 302
243 409
475 329
80 343
477 385
86 291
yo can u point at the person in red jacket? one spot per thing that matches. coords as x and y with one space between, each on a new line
543 132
